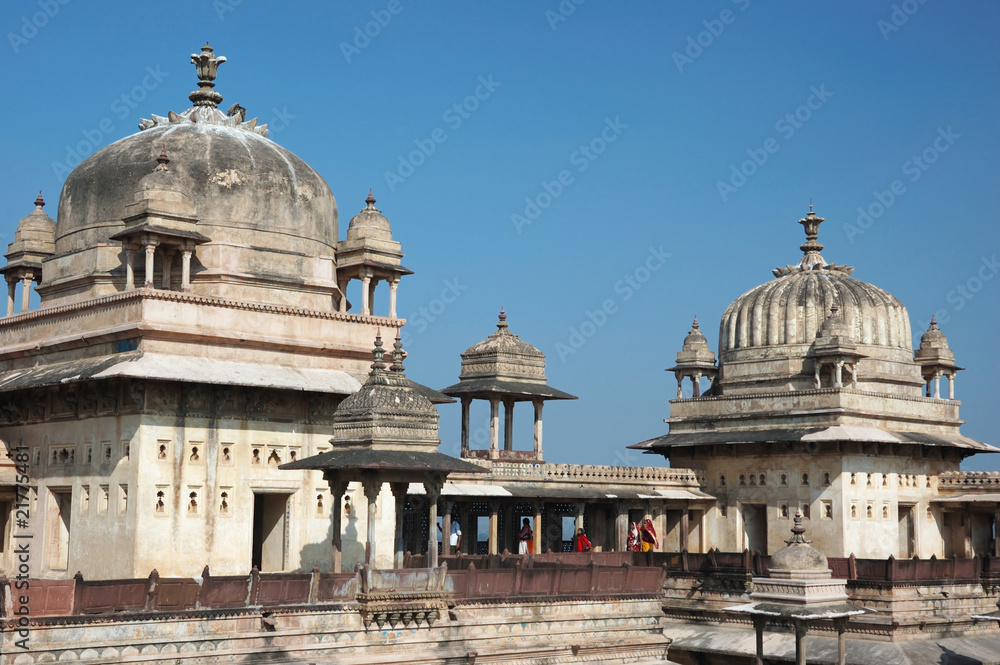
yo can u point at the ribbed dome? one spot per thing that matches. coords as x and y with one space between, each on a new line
35 232
369 223
792 308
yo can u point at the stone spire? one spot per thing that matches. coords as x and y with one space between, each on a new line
812 259
208 66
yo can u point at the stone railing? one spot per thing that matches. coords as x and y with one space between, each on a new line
970 480
596 473
407 596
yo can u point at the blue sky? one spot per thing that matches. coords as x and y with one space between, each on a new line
605 136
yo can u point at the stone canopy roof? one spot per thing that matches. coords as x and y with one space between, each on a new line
504 364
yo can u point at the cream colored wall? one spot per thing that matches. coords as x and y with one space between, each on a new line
129 541
841 535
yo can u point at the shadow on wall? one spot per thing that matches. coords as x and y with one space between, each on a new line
321 553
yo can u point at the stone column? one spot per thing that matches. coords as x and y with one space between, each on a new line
25 292
840 623
186 270
366 295
536 533
371 295
168 264
685 529
759 622
581 507
446 528
937 385
680 387
492 545
538 428
11 291
951 386
372 486
839 381
337 489
696 387
129 268
433 489
466 404
393 285
150 263
800 642
816 372
494 428
399 494
621 528
508 424
342 306
854 375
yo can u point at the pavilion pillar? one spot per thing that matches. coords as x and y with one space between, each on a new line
342 305
696 381
150 263
839 381
399 494
951 386
393 285
433 489
685 528
366 295
494 428
129 268
817 369
338 488
11 292
621 528
372 486
759 622
371 295
581 507
680 387
186 270
840 624
536 533
491 546
508 424
800 642
25 292
466 404
854 375
168 264
937 385
538 428
446 528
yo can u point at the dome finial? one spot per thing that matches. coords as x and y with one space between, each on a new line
162 160
39 202
370 200
503 320
694 324
798 531
207 65
398 355
811 224
934 325
378 366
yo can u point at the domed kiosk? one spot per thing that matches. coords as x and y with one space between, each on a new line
816 403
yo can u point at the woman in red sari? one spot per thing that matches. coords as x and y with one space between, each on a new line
647 535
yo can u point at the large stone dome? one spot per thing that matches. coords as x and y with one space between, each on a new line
270 220
247 187
766 334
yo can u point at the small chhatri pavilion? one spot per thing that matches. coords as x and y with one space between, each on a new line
384 433
503 368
